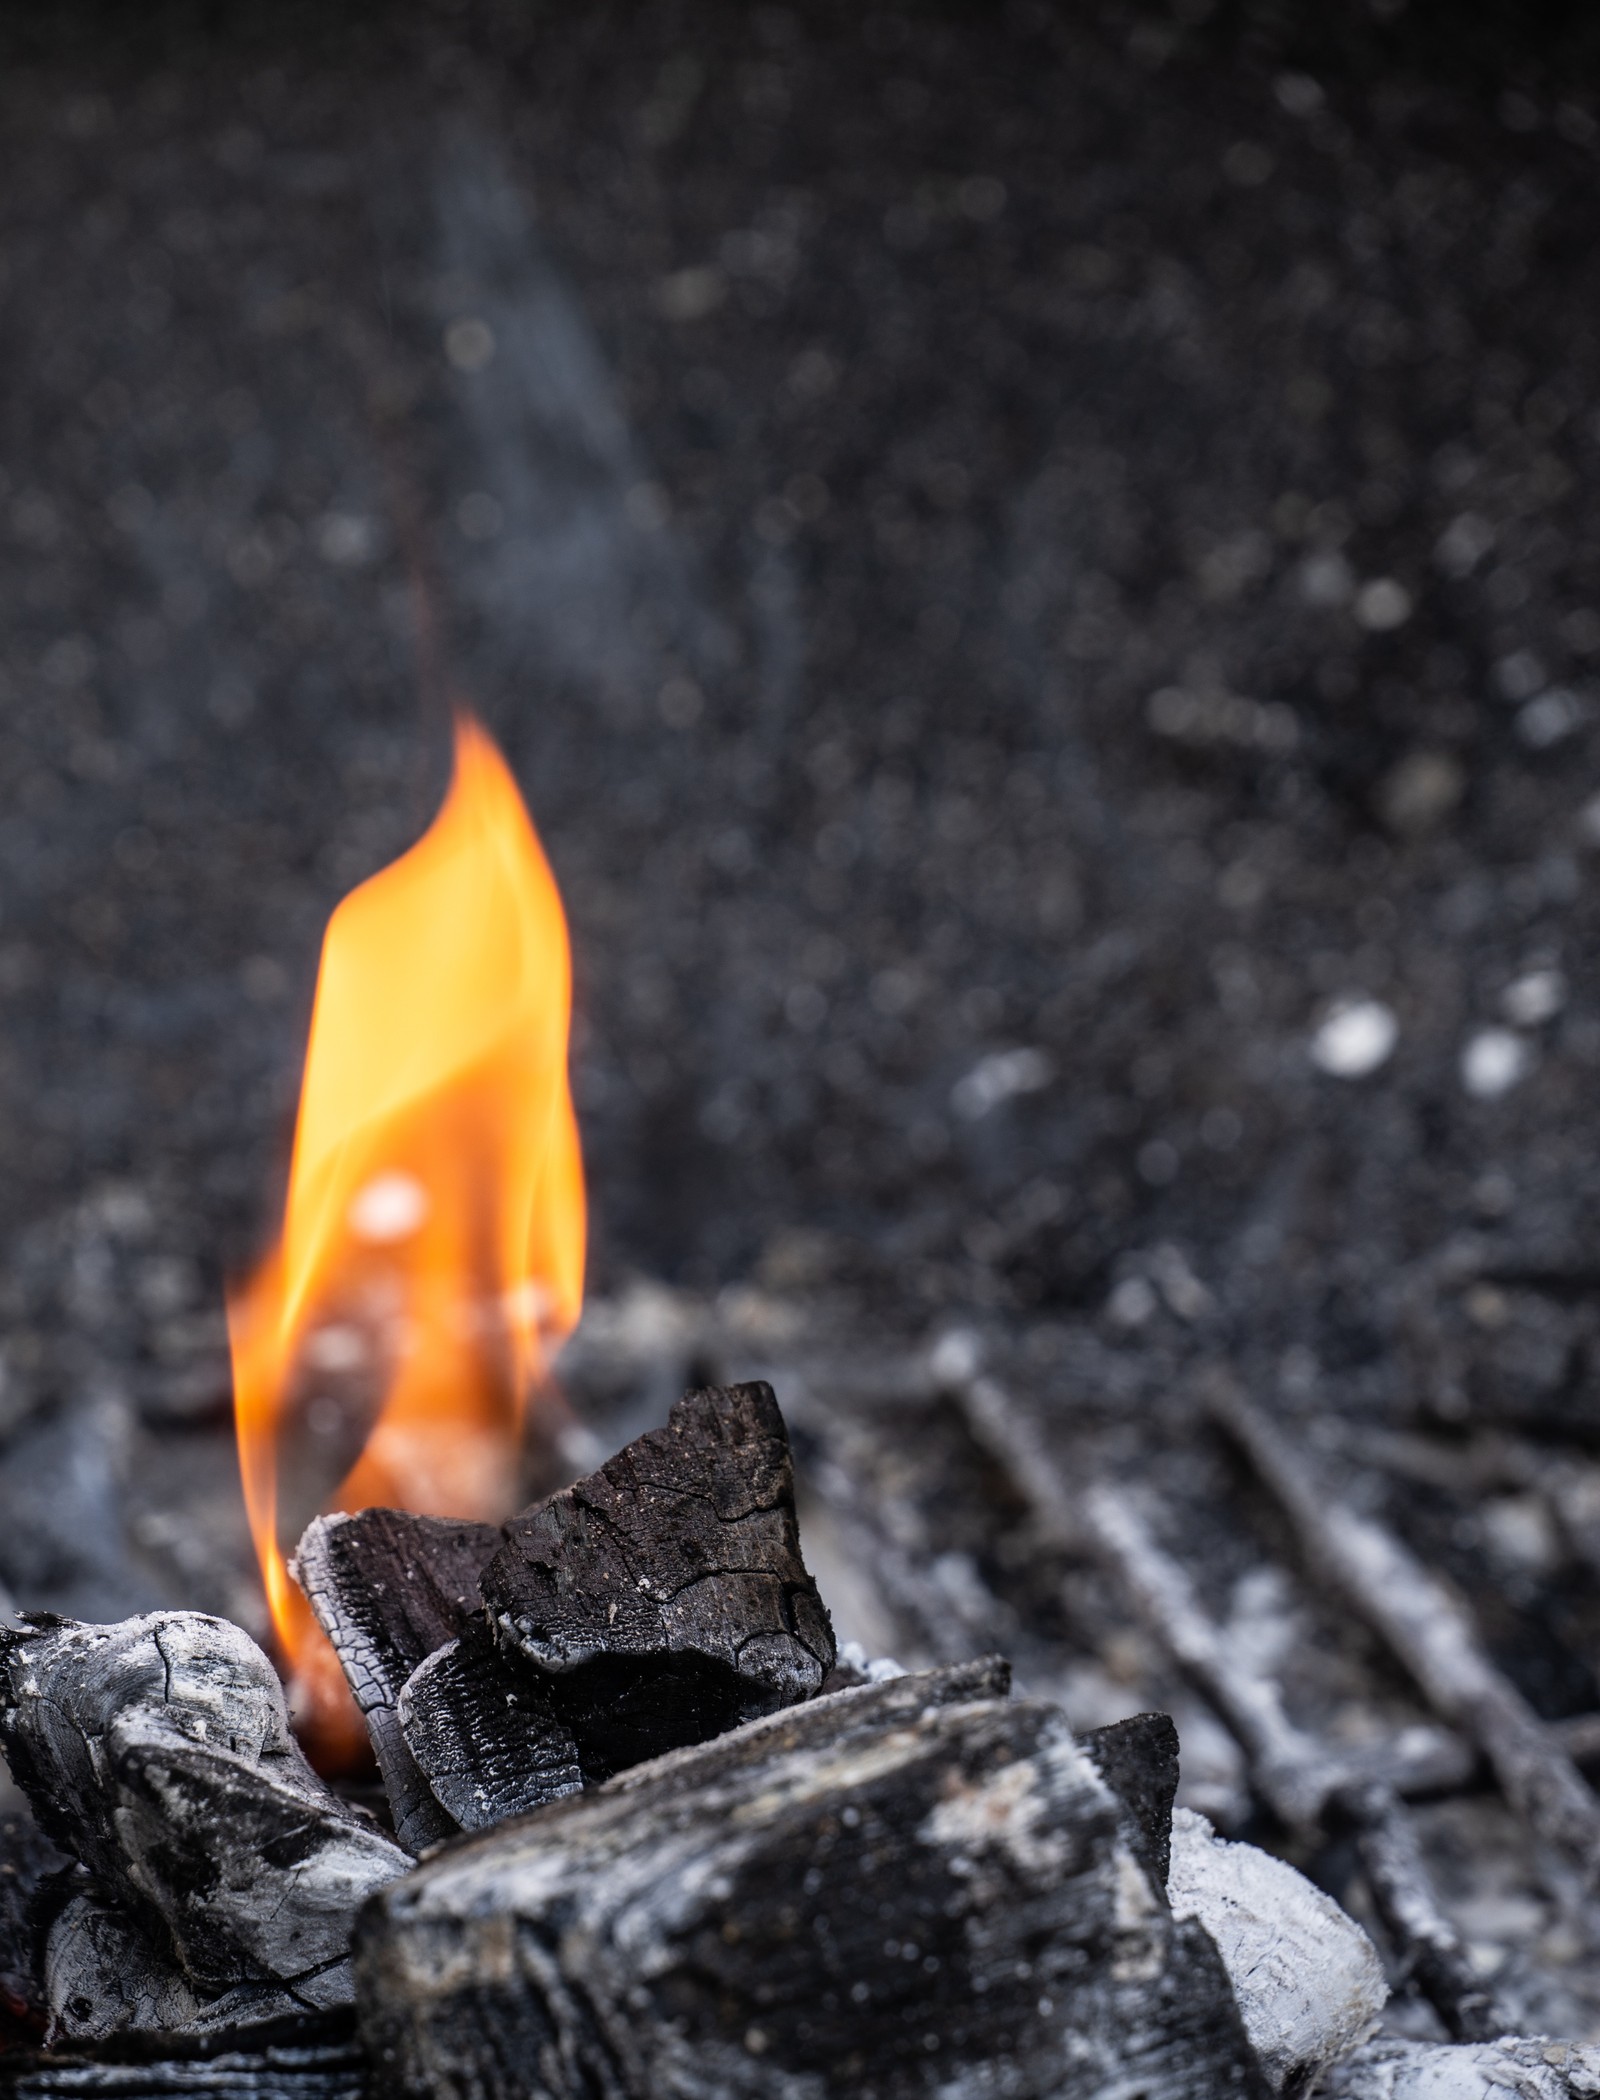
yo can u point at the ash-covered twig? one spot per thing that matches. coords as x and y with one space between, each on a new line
390 1589
1289 1769
1431 1950
1434 1637
159 1752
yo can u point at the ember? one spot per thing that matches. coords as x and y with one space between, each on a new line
433 1238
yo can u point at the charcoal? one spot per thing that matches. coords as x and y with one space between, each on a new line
1309 1982
901 1889
1138 1760
159 1752
31 1870
390 1589
485 1735
664 1599
111 1974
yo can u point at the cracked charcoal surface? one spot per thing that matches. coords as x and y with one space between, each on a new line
964 1880
664 1598
158 1751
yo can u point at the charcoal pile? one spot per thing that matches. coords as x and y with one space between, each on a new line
647 1832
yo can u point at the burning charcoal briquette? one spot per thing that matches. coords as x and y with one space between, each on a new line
391 1589
158 1751
664 1599
485 1734
903 1890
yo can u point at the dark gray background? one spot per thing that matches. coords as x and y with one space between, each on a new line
884 408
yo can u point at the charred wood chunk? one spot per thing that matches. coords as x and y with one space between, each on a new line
159 1752
664 1598
32 1870
390 1589
873 1892
1138 1760
484 1734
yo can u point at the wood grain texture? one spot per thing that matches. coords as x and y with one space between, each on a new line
893 1893
390 1589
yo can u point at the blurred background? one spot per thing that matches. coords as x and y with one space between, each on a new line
1039 569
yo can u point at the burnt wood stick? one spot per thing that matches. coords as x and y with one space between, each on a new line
1430 1948
1251 1708
1433 1635
159 1752
877 1891
390 1589
1301 1782
1289 1769
664 1598
1014 1438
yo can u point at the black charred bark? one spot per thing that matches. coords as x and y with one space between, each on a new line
664 1598
904 1890
1138 1760
484 1734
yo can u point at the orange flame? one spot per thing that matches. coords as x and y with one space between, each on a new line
433 1239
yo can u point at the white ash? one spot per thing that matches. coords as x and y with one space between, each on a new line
1513 2068
854 1661
1308 1980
